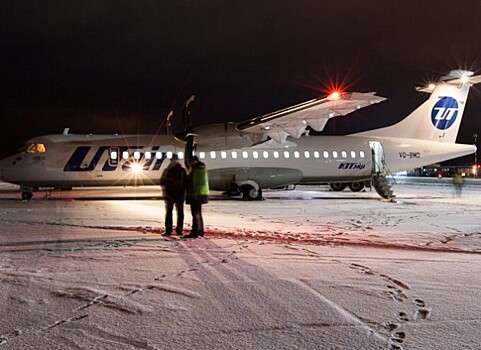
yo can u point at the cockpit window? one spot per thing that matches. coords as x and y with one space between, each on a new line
36 148
40 148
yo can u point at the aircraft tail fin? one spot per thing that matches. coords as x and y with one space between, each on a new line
438 118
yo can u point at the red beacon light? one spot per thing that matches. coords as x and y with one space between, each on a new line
334 96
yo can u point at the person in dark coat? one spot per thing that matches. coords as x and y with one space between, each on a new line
173 188
197 193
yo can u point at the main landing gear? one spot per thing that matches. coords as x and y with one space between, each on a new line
250 193
353 186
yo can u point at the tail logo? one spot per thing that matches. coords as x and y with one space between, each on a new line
444 113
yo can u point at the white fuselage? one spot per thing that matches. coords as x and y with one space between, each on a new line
76 160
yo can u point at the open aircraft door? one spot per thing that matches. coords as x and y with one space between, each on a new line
377 157
379 171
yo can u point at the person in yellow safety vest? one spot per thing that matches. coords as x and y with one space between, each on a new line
197 193
458 182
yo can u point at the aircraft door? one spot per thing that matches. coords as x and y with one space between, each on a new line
377 157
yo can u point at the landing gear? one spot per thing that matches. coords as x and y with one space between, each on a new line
356 186
26 196
341 186
338 186
250 193
27 192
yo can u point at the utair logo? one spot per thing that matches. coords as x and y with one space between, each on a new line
444 113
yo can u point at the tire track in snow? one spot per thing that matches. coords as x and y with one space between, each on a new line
345 313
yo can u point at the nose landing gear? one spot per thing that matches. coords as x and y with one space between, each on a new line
27 192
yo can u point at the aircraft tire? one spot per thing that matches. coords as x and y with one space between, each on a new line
338 186
26 196
249 193
356 186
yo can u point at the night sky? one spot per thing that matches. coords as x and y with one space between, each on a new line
120 66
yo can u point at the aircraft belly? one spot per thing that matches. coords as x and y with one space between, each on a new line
315 180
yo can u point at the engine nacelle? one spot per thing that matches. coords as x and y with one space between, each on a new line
224 137
232 180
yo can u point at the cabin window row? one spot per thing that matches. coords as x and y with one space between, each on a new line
147 155
281 154
247 154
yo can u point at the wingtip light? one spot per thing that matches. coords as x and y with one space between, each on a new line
334 96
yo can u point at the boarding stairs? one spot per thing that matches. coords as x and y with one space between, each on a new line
382 181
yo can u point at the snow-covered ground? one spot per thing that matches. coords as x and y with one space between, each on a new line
304 269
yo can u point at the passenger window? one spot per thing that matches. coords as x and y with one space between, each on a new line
181 155
361 154
306 154
31 148
353 154
255 154
245 154
234 155
201 155
169 155
223 154
276 154
212 154
334 154
158 155
125 155
316 154
265 154
344 154
326 154
286 154
137 155
296 154
148 155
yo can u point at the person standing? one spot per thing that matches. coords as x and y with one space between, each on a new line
458 182
173 190
197 193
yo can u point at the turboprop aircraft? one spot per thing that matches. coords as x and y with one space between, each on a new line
273 150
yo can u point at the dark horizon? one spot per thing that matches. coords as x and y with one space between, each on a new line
120 66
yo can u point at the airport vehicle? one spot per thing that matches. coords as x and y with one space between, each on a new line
264 152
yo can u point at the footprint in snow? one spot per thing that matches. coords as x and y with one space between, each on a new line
398 337
391 326
403 316
419 303
421 314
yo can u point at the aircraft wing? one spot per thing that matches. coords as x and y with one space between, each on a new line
293 121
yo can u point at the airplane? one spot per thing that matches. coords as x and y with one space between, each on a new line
272 150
